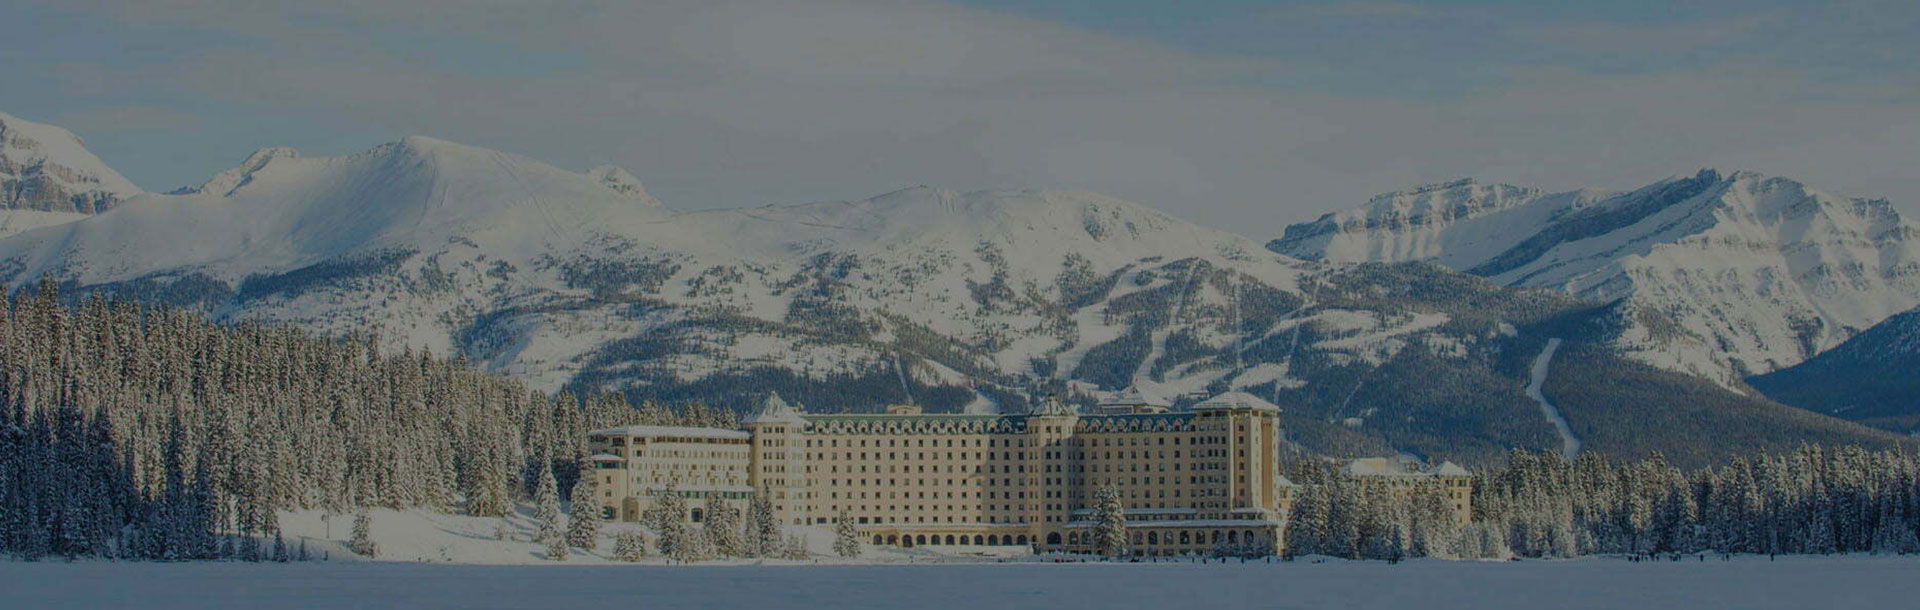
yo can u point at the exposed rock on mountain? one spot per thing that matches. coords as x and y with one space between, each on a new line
1720 275
47 169
951 300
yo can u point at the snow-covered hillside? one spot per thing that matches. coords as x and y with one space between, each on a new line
1758 272
570 278
971 301
46 168
1869 378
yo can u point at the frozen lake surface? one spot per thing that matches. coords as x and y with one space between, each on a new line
1845 582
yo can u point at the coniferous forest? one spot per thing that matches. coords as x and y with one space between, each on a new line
151 433
1813 500
136 433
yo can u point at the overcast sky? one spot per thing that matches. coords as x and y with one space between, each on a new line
1245 116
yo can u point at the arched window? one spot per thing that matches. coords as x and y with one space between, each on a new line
1233 537
1186 537
919 539
1248 536
877 540
893 540
1216 536
993 540
1022 540
1153 537
1053 538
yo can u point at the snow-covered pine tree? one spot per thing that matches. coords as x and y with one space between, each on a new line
629 545
280 547
794 548
362 543
584 513
1109 523
692 548
764 539
556 548
722 527
546 512
846 539
667 517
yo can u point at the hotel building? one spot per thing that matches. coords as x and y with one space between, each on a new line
1189 479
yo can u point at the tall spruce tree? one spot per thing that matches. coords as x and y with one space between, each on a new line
765 538
1109 523
629 545
846 539
584 514
362 543
546 512
722 527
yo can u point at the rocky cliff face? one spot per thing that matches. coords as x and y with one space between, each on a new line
1751 273
47 169
958 301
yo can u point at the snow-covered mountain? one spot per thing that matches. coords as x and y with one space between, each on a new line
1869 378
1753 273
47 169
957 301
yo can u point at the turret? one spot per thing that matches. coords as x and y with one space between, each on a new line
779 467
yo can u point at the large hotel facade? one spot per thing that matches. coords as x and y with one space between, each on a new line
1189 480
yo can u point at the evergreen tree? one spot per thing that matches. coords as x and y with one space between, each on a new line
584 515
629 545
1109 523
363 543
546 512
794 548
764 539
280 547
846 539
667 517
722 527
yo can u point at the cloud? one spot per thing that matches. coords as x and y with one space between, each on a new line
106 119
748 103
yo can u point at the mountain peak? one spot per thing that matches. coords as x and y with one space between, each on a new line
45 167
1761 271
226 182
619 180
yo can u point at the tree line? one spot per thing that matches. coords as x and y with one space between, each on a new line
153 433
1814 500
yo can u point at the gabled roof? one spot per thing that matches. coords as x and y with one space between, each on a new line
1236 400
1450 469
773 410
1402 467
1052 407
1132 396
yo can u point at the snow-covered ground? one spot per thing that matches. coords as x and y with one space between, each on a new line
1569 444
1747 582
430 537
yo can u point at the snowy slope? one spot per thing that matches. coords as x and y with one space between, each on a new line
19 221
46 168
1758 272
952 300
279 210
1869 378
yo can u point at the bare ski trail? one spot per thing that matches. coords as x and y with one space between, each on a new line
1569 444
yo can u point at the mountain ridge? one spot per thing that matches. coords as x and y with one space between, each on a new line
48 177
1759 272
959 301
